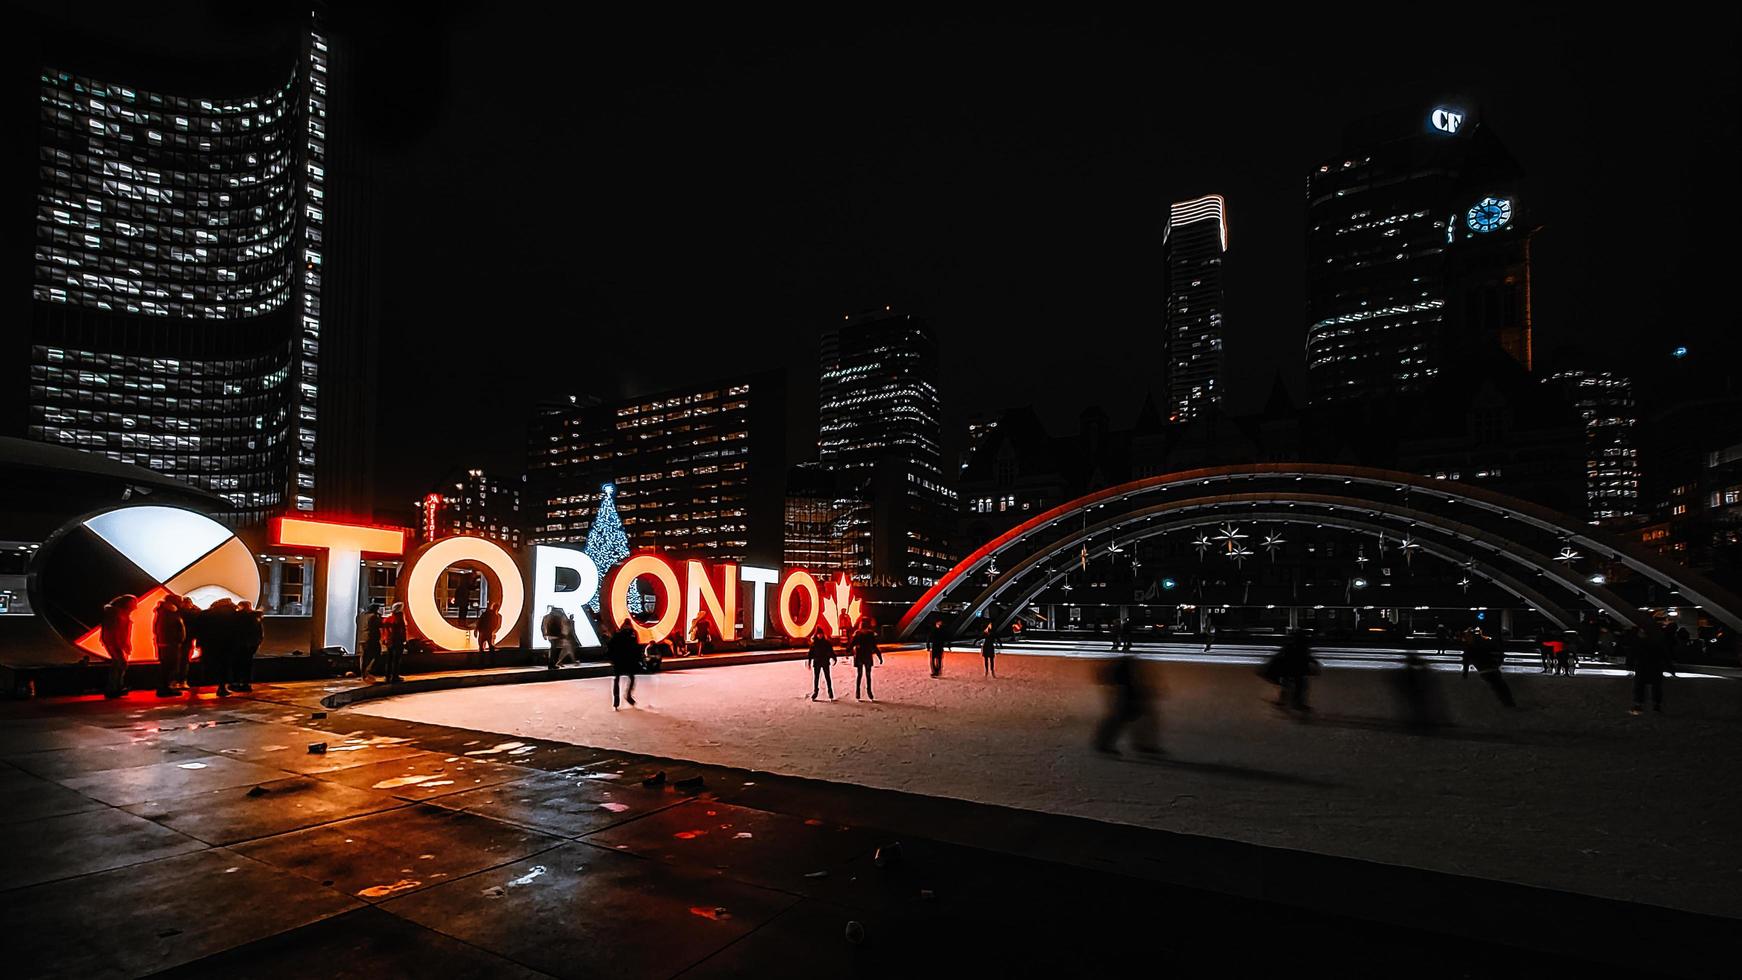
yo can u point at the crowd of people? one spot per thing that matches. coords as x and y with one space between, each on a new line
222 639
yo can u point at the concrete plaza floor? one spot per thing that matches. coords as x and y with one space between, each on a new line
1568 791
145 837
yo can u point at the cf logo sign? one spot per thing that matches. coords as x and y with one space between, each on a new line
1447 120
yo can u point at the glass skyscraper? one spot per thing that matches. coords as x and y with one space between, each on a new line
1417 250
1195 240
880 419
180 294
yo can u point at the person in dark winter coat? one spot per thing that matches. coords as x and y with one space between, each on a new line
168 633
1649 661
398 635
1130 704
1488 657
190 616
116 632
250 633
937 643
864 647
368 639
989 650
821 657
624 652
219 638
489 621
1290 668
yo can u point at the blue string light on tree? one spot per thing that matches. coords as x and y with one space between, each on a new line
607 545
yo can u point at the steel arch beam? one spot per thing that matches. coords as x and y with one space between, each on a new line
1525 592
1723 605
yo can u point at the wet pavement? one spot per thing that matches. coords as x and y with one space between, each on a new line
202 839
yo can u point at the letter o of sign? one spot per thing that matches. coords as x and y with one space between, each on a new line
425 567
799 580
670 596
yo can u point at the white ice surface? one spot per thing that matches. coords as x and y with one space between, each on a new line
1567 791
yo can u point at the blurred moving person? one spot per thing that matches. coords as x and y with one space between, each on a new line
489 621
936 644
368 639
250 633
1418 693
1130 704
168 633
1649 661
624 652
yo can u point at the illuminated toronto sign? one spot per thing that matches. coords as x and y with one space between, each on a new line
1447 120
151 551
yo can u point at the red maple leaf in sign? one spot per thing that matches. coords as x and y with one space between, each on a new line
842 601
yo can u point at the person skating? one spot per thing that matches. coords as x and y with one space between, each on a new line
1489 656
989 651
864 647
368 639
168 632
821 657
624 652
1649 661
398 634
936 644
1130 704
1121 636
116 633
1291 667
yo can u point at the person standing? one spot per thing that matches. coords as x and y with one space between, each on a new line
190 615
1121 636
168 633
821 657
624 652
489 621
250 633
988 651
397 636
1129 704
1649 661
116 633
937 643
552 626
218 639
864 647
368 639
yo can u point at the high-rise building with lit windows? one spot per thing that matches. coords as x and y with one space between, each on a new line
473 502
1195 240
880 419
1418 249
1604 401
184 303
700 471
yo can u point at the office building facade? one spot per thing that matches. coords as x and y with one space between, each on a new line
1195 242
700 471
1418 246
1604 400
476 503
181 303
880 420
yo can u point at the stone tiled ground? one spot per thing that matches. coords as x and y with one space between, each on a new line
204 839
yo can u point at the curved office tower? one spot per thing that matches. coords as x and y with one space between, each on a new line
177 313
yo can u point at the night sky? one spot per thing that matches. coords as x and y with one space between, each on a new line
572 203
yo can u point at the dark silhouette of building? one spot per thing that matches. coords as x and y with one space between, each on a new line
473 502
700 471
880 423
1195 240
196 306
1418 248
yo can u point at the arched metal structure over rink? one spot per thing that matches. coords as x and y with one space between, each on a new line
1518 546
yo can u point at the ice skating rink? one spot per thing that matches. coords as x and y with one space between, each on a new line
1567 791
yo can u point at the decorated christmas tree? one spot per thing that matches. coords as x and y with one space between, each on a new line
607 545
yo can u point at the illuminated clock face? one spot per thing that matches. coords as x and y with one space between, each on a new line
1489 214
